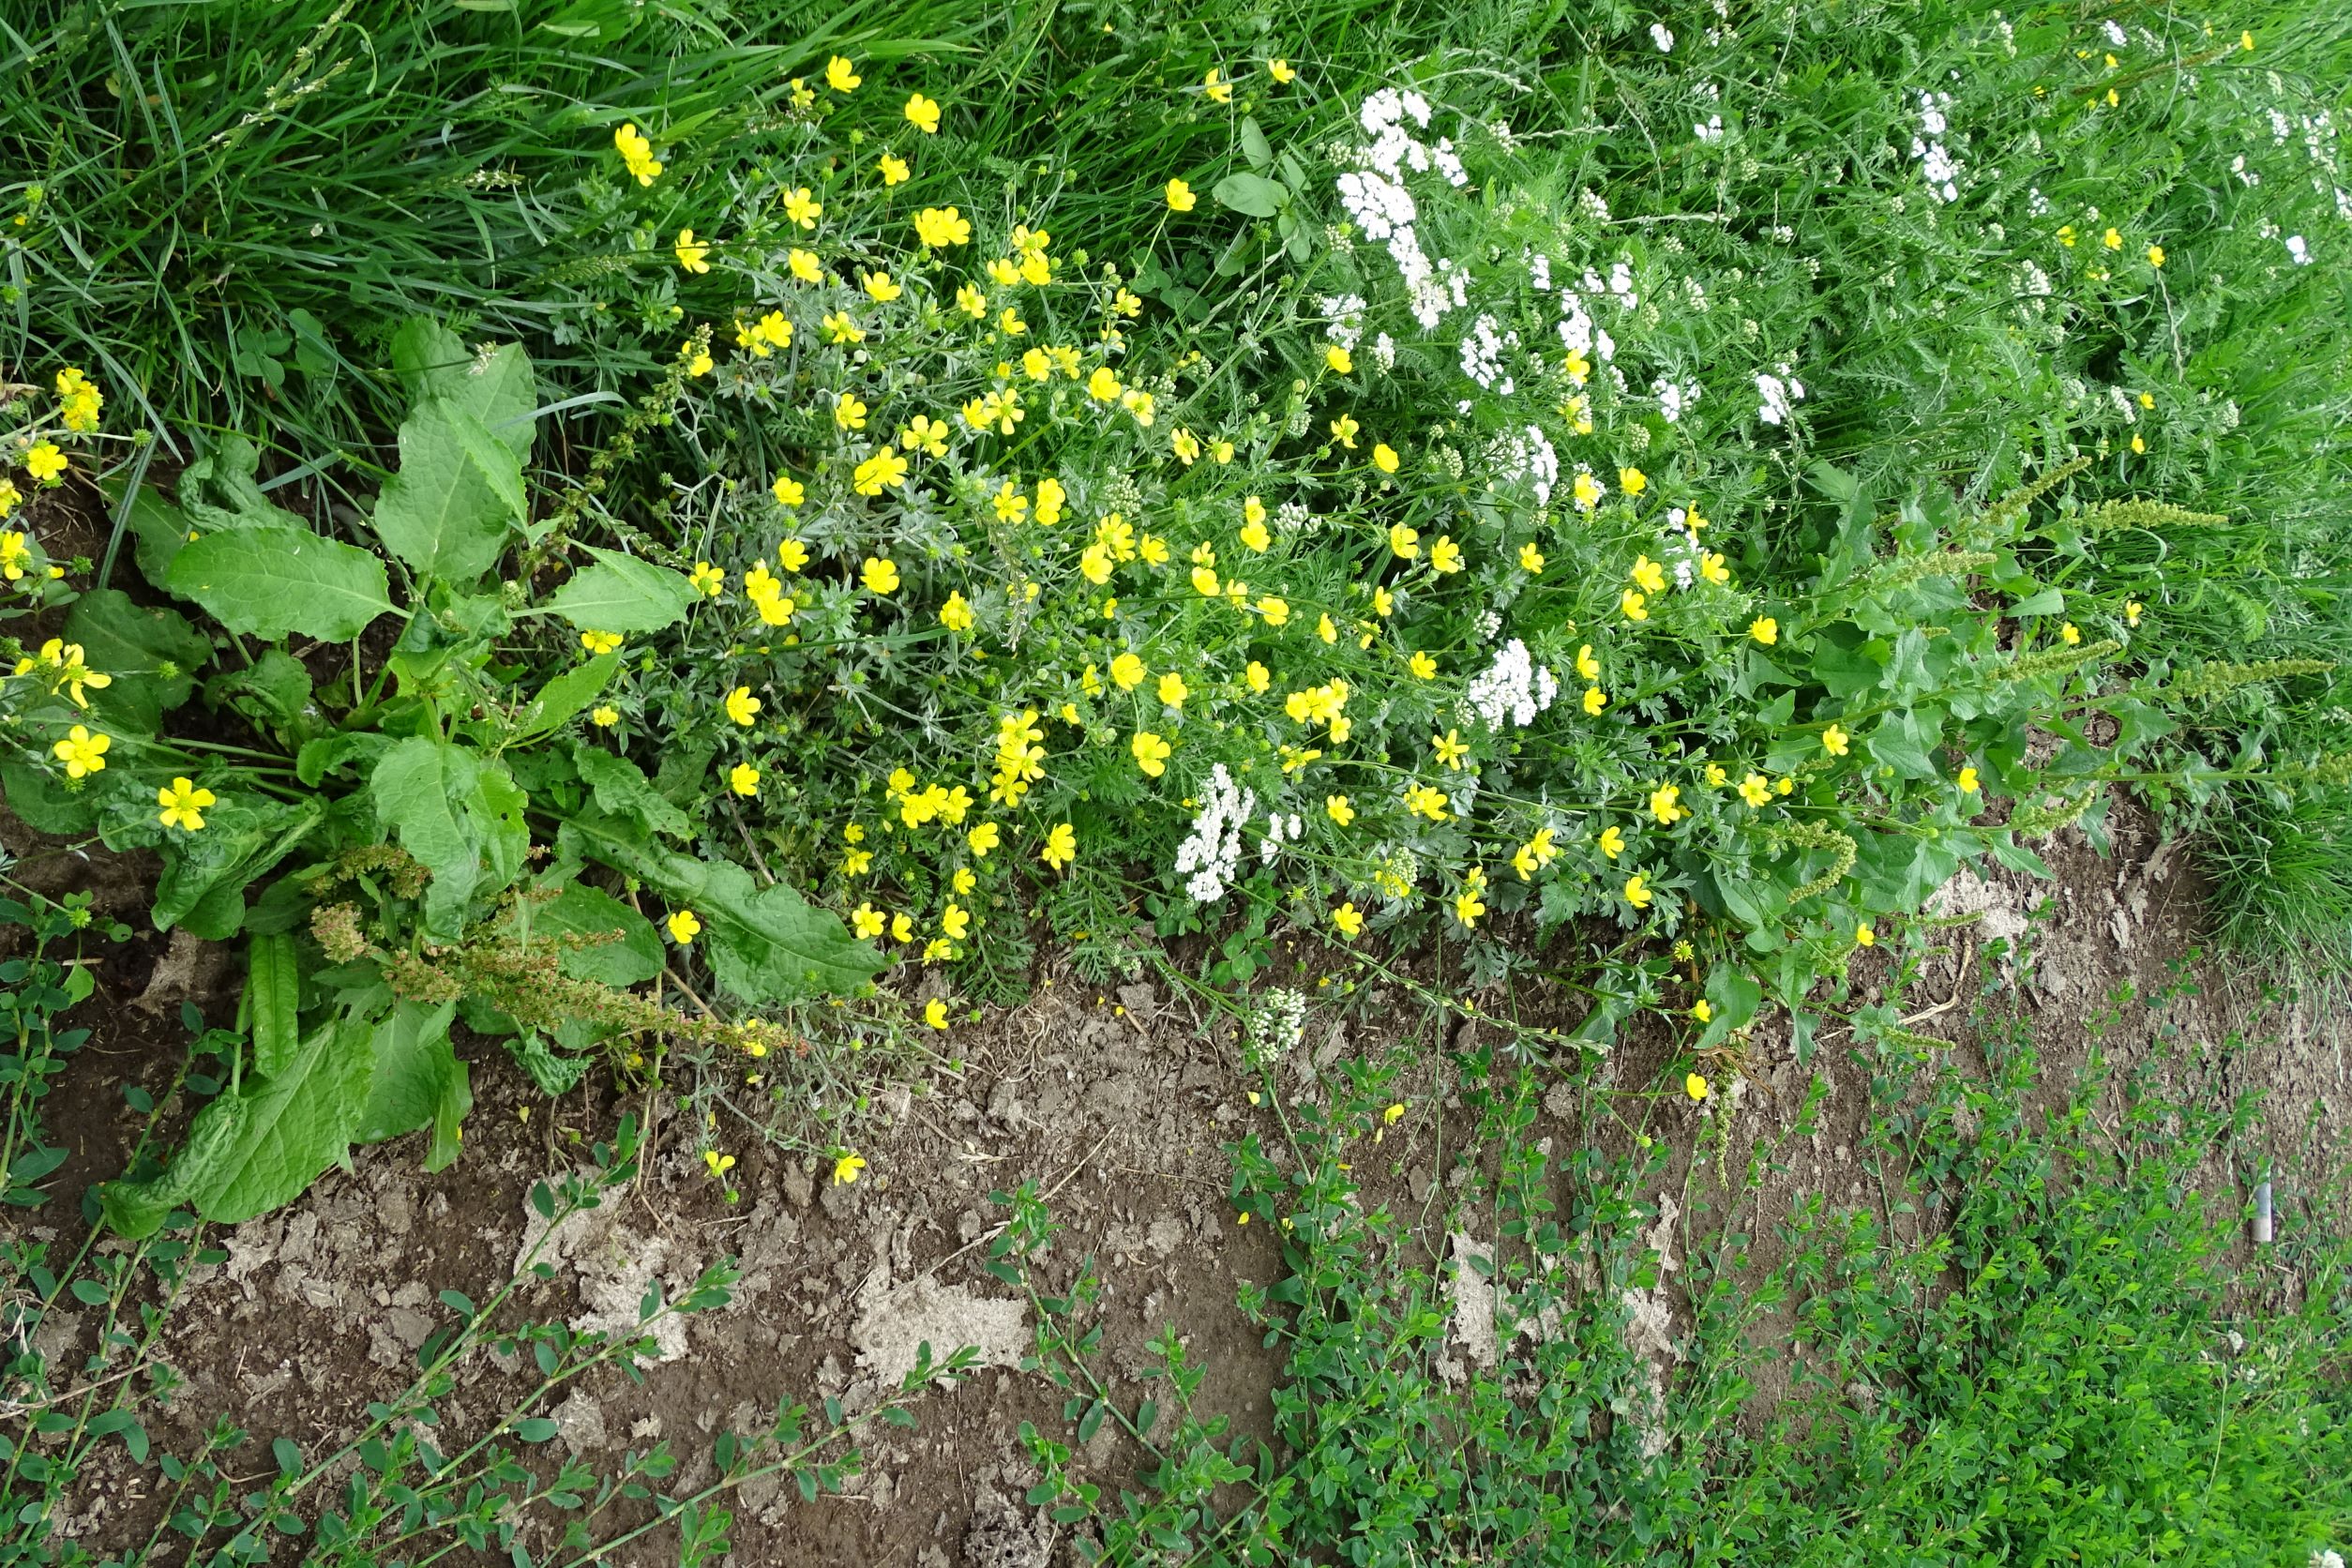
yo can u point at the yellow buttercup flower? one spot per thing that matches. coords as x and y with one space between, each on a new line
1337 809
880 574
1635 604
683 927
1280 69
1403 542
1765 630
1756 789
1695 1086
1445 556
940 227
691 255
1648 575
1061 846
1612 842
1836 741
1347 920
1216 87
1340 360
82 752
183 804
1422 800
935 1013
922 114
1173 690
1637 892
604 716
846 1169
1632 481
1531 559
1594 700
1587 666
894 170
1967 781
841 76
742 706
637 154
1344 428
1181 197
1151 753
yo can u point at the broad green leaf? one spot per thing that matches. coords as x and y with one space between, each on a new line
39 801
1253 195
252 1150
1906 741
621 593
565 695
320 757
218 492
633 957
500 388
273 691
1734 995
157 528
245 833
1254 145
424 790
2050 601
150 657
767 946
448 512
273 992
271 582
418 1081
623 790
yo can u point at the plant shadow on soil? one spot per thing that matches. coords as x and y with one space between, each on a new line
1116 1102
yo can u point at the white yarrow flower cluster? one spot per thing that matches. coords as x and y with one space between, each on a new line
1375 196
2298 250
1482 351
1674 399
1279 829
1577 331
1276 1025
1662 38
1512 687
1347 319
1779 396
1211 855
1936 160
1526 453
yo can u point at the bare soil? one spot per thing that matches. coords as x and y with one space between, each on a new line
1116 1103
